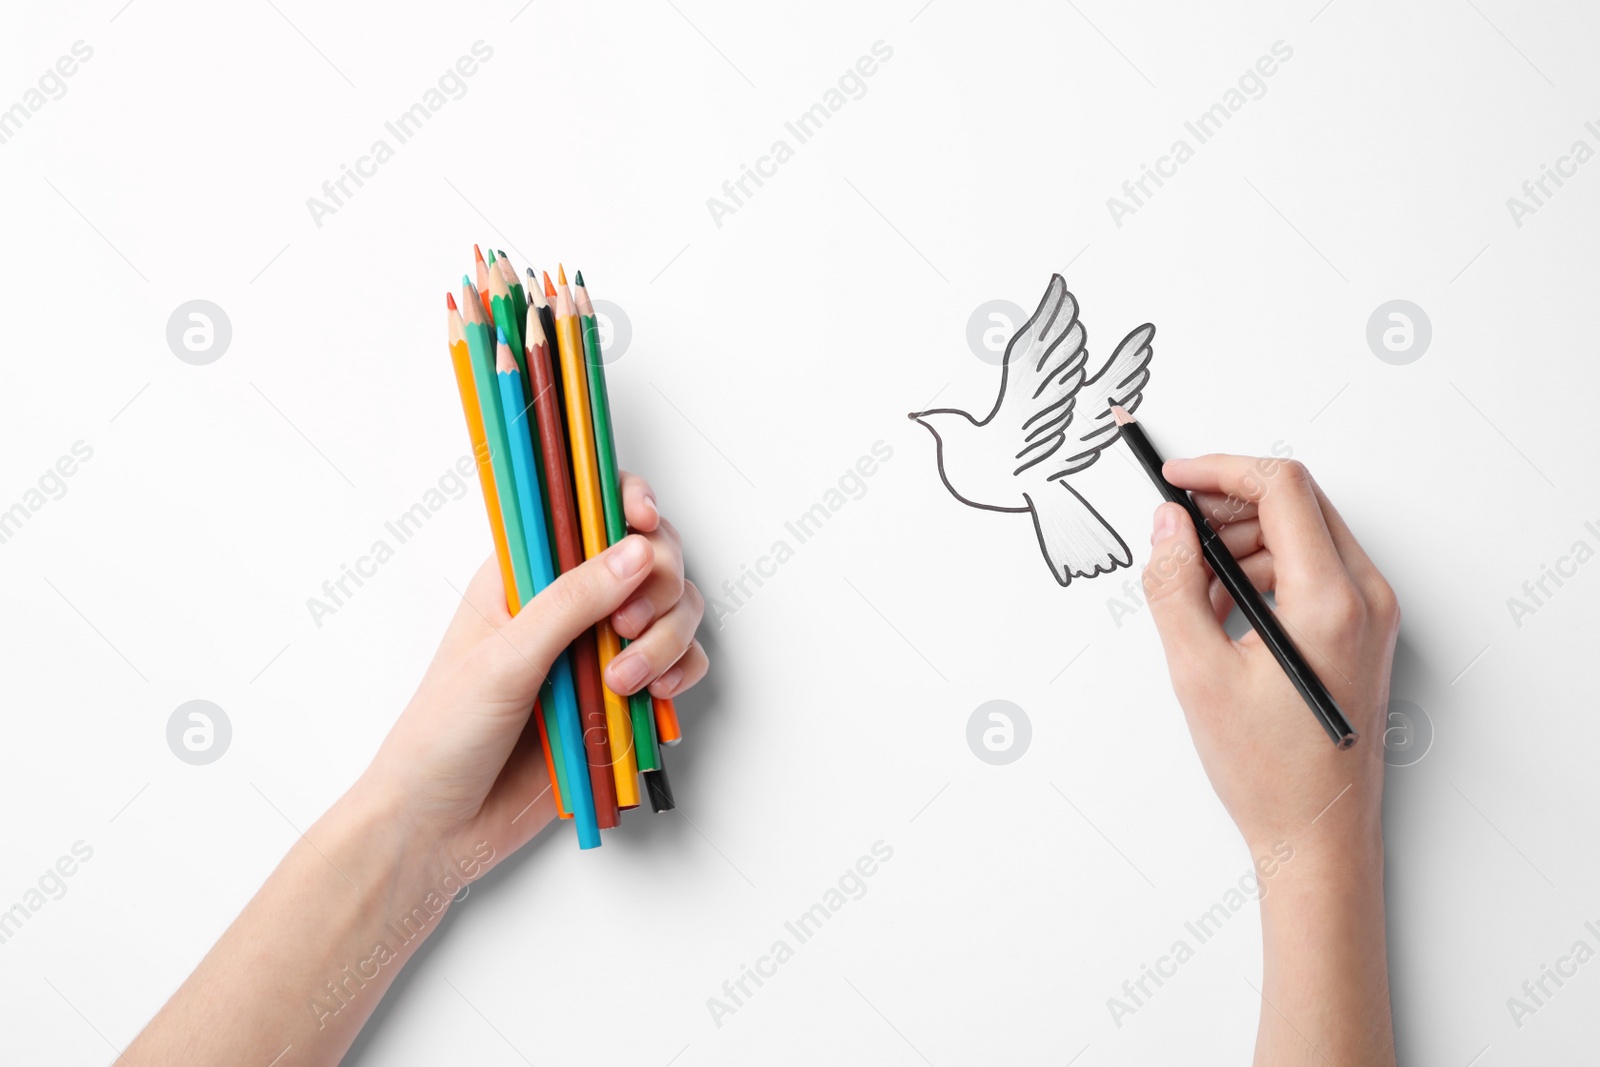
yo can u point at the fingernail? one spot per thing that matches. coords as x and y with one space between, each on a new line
633 618
650 500
628 557
1166 523
664 685
626 673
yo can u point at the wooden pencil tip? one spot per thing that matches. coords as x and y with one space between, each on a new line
549 290
466 282
491 257
477 253
1120 413
577 278
450 301
561 274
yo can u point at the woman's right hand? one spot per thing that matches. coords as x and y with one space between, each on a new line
1269 761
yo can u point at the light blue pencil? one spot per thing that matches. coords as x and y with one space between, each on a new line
580 794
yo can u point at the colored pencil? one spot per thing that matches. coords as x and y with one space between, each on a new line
550 725
668 732
575 787
666 713
461 360
1238 584
569 554
481 350
660 791
501 305
519 299
503 310
548 722
591 522
482 269
642 713
542 296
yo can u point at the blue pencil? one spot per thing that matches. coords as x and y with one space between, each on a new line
530 497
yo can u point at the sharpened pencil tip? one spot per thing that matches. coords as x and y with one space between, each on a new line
561 274
501 339
466 281
491 257
477 253
450 301
1119 413
549 289
577 279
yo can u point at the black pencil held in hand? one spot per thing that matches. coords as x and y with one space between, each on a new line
1244 594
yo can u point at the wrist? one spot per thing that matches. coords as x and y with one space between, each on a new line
1322 874
388 858
1324 958
418 860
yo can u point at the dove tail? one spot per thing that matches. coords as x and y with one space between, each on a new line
1075 540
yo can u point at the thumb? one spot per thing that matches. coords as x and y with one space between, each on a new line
571 604
1177 588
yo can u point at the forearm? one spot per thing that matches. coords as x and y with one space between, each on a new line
1325 980
306 962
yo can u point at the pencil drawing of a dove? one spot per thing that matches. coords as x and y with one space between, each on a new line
1051 420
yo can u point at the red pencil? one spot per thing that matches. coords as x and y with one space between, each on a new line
483 281
569 554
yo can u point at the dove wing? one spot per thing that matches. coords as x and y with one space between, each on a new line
1121 381
1043 370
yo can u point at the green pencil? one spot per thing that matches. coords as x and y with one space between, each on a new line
519 298
506 319
640 708
481 347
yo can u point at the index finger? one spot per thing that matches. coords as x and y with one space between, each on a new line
639 503
1292 523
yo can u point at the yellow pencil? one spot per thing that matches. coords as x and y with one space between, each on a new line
591 518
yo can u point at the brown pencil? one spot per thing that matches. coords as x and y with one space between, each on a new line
540 297
569 554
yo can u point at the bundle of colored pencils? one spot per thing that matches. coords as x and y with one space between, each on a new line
533 388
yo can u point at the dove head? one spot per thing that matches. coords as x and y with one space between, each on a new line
942 422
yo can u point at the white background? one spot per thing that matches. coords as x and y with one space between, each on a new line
768 354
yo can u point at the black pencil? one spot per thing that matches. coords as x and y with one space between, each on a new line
1244 594
660 790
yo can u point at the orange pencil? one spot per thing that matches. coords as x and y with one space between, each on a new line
462 362
586 483
668 732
